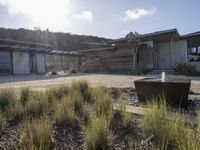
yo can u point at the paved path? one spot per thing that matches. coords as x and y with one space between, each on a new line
108 80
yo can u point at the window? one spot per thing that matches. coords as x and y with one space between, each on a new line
198 50
193 50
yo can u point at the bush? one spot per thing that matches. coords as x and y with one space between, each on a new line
140 71
36 134
37 106
186 69
97 136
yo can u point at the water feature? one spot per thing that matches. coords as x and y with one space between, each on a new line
174 90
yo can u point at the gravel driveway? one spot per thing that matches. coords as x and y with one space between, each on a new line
108 80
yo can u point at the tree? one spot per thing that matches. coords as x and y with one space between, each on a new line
133 41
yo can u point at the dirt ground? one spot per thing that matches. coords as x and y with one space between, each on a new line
108 80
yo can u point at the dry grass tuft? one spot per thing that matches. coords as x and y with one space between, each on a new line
36 134
98 134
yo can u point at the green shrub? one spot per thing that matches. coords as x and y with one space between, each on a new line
139 71
25 95
37 105
76 98
186 69
36 134
97 136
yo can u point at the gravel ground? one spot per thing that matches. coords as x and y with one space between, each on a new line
108 80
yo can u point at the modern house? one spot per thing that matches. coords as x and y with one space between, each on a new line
17 57
159 50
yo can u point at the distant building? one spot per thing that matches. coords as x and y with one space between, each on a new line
19 57
159 50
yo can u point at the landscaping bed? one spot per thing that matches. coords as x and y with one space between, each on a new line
76 117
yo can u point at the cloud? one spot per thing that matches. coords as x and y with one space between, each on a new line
41 12
138 13
86 15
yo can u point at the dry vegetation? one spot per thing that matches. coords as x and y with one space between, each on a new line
79 108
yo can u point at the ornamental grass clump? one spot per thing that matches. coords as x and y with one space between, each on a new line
2 122
36 134
25 95
37 106
57 93
9 104
82 86
102 102
169 128
98 134
65 112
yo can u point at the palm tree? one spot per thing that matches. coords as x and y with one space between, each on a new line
133 41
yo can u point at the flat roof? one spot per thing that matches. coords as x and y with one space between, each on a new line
24 42
96 49
149 35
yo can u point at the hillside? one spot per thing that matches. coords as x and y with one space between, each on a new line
59 40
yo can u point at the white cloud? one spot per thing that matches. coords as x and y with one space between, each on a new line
41 12
138 13
86 15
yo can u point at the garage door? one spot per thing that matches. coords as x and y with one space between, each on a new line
5 63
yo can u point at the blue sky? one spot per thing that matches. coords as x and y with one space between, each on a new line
106 18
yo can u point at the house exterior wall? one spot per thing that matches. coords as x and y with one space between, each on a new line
21 63
40 58
146 58
168 57
109 60
59 62
5 62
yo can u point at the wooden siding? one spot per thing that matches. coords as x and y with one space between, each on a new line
119 59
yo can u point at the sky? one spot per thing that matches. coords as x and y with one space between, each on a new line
105 18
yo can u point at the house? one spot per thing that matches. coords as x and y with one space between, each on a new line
19 57
159 50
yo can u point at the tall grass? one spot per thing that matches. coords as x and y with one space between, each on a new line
82 86
102 102
171 133
9 104
25 95
57 93
97 136
65 112
2 122
37 105
36 134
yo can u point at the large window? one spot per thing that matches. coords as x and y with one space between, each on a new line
193 51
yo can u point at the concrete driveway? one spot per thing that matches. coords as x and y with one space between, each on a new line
108 80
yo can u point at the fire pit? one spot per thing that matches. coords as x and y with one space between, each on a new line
175 91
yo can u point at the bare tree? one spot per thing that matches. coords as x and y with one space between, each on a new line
133 41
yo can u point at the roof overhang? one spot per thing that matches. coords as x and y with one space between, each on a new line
159 36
